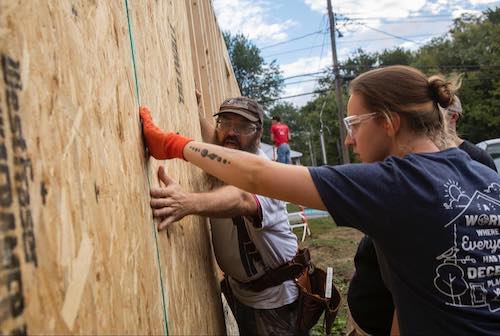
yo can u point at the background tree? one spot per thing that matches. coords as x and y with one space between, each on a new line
256 79
471 48
310 114
395 56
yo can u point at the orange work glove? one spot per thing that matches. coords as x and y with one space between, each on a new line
161 145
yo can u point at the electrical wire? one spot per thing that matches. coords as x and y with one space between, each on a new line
306 74
479 67
395 21
291 40
326 90
388 34
342 41
297 95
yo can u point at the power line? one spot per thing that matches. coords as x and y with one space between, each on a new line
306 74
294 50
322 26
393 21
387 38
293 39
326 90
479 67
302 81
322 47
386 17
381 31
388 34
443 66
298 95
464 79
344 42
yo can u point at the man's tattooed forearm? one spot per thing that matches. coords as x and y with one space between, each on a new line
211 156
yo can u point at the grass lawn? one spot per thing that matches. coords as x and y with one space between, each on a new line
332 246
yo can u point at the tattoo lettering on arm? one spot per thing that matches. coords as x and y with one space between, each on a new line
211 156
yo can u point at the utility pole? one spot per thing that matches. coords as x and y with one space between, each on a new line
311 152
321 137
344 154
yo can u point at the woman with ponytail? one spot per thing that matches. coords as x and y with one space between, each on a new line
432 212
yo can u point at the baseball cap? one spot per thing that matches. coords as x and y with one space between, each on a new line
244 107
456 106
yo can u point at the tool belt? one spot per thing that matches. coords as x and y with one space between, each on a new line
287 271
311 282
312 300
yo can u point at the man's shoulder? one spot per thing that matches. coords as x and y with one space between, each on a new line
477 154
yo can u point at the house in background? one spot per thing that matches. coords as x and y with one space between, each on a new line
271 153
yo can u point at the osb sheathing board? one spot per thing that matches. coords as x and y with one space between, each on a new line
214 76
78 248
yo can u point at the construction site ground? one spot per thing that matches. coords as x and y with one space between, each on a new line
332 246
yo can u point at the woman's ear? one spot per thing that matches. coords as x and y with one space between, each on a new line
392 125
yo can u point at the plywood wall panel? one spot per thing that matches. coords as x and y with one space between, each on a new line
167 86
86 263
215 77
76 233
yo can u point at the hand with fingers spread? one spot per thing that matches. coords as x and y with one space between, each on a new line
170 203
161 145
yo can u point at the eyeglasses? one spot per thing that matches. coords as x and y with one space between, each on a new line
352 121
237 128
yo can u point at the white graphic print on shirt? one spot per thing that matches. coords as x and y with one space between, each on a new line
469 273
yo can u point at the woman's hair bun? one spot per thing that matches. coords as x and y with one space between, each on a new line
441 91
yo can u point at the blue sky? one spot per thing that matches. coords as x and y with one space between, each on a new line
373 25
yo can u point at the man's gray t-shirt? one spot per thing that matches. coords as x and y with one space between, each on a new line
246 247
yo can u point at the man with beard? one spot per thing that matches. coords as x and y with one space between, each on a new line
251 234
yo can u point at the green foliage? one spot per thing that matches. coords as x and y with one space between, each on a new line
305 125
359 63
311 128
395 56
256 79
472 49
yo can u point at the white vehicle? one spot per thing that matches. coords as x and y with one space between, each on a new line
492 146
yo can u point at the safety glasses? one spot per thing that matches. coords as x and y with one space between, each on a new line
238 128
354 120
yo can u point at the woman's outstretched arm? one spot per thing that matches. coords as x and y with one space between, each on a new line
241 169
255 174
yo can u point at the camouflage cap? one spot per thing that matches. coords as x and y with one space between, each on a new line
244 107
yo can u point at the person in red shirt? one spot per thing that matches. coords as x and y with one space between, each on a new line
280 135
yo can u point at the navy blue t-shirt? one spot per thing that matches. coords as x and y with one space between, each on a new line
435 220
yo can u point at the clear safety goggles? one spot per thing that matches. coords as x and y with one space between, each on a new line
354 120
238 128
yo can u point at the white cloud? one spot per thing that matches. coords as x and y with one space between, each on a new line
459 11
456 7
316 5
251 19
384 36
306 65
370 8
302 66
436 7
482 2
